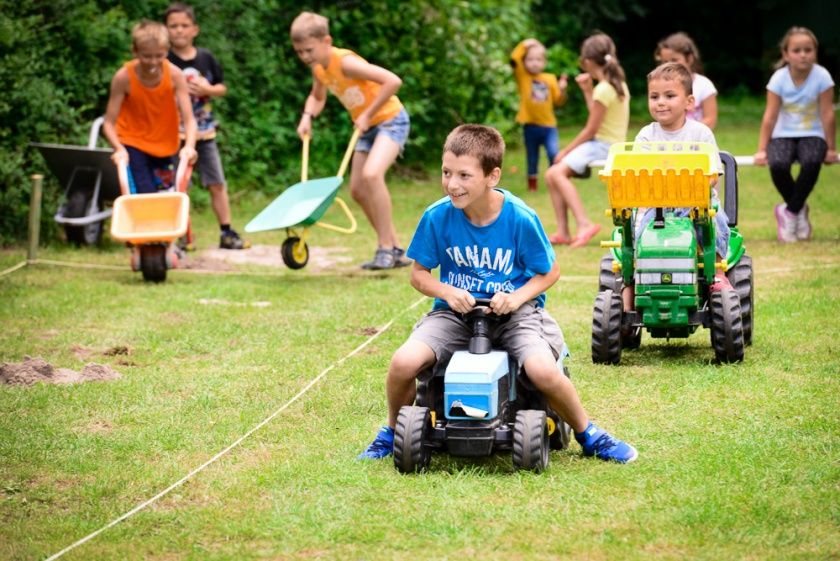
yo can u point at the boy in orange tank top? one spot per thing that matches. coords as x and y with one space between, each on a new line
141 120
367 92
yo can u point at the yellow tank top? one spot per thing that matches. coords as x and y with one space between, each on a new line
355 95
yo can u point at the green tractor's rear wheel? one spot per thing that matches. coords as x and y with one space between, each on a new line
530 440
606 328
413 427
741 278
726 329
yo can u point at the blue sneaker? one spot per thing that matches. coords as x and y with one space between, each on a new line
381 447
598 442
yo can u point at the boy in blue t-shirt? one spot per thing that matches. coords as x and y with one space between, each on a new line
488 244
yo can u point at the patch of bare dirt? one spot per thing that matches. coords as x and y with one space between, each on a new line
320 258
34 370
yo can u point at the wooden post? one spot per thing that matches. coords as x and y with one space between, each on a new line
34 218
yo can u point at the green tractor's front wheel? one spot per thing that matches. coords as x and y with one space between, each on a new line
741 278
606 328
726 329
607 278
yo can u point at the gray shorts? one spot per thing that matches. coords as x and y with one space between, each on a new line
530 330
209 163
396 129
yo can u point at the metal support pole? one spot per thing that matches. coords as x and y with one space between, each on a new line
34 217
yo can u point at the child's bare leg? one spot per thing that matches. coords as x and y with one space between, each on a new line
400 387
628 297
221 204
370 190
560 208
559 391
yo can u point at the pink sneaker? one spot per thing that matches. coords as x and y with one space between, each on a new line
803 225
786 224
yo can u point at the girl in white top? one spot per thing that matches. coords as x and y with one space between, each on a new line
680 48
798 125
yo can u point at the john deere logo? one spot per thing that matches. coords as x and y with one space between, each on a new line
666 278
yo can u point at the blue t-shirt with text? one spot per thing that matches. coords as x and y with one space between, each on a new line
499 257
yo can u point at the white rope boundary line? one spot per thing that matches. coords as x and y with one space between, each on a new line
238 441
11 270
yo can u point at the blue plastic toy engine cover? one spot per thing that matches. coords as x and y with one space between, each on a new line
471 385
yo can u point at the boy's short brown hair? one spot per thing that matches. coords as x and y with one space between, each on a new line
179 8
479 141
673 71
148 31
309 24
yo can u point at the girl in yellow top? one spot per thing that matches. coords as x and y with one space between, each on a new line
367 92
609 116
539 93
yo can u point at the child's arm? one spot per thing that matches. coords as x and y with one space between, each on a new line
562 86
458 299
597 112
826 102
201 87
182 97
710 111
768 121
119 89
506 303
312 107
355 67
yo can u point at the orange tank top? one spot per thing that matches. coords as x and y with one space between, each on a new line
355 95
149 118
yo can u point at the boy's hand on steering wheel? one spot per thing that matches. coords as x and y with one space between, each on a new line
504 303
459 300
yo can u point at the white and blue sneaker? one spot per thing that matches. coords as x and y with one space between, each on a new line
381 447
599 443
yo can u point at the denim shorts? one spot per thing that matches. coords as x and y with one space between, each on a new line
579 158
396 129
530 330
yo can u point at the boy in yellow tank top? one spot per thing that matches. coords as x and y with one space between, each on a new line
367 92
142 117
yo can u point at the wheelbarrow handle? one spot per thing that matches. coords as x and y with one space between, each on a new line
349 152
304 165
183 175
124 177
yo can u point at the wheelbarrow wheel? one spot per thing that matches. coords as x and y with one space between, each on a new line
295 253
153 262
76 207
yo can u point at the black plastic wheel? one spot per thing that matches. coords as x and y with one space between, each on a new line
741 278
606 328
530 440
76 207
413 426
153 262
607 278
631 338
295 254
726 328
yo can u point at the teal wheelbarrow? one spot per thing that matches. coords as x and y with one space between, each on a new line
302 206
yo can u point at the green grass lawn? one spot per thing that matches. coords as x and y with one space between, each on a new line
736 462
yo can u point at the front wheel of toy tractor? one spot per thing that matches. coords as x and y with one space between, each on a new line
530 440
153 262
295 253
741 278
606 328
607 278
413 426
726 328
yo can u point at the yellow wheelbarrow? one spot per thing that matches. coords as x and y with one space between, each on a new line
302 205
151 222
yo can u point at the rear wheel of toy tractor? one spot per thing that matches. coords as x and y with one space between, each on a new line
606 328
741 278
530 440
153 262
631 338
607 278
76 207
413 426
727 333
295 253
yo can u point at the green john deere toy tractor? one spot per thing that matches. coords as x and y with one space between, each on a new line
672 264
